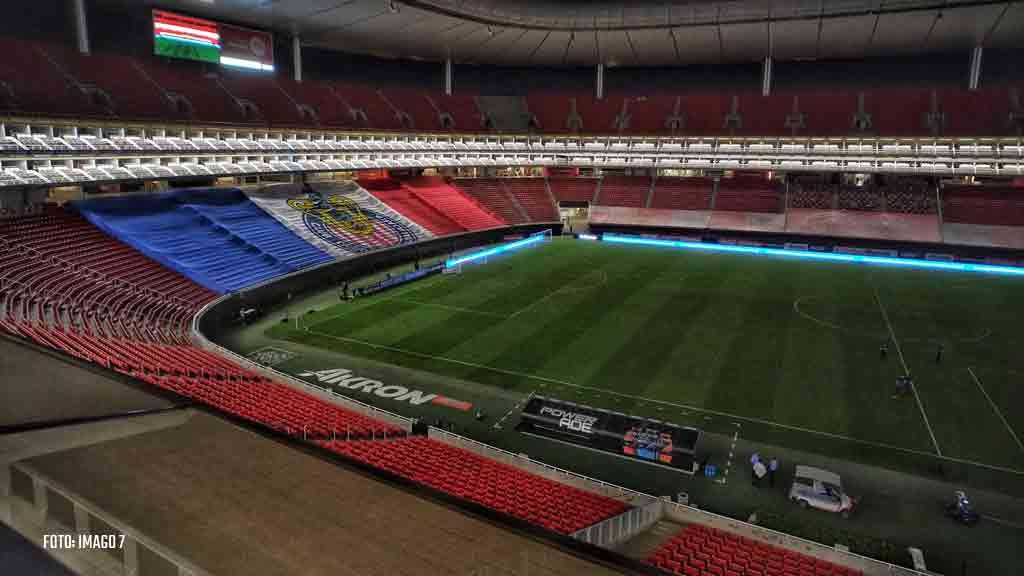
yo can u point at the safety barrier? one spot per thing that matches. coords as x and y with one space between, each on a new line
618 529
38 506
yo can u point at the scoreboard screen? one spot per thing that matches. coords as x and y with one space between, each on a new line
189 38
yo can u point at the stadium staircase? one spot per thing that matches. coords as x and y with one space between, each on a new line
533 195
537 500
705 551
216 237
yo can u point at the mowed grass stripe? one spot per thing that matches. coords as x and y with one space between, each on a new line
643 366
535 341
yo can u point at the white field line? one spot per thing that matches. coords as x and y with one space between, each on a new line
996 409
674 404
447 307
351 307
553 293
522 401
899 350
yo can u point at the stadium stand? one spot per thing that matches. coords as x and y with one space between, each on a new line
460 208
195 95
340 218
987 205
532 195
402 200
630 191
748 194
272 103
574 189
553 505
702 551
676 193
492 194
216 237
39 85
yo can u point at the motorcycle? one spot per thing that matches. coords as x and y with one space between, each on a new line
961 510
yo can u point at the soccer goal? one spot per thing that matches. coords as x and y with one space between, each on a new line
482 256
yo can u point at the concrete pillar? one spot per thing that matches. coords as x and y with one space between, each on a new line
766 81
599 82
131 556
448 76
975 73
297 58
81 520
81 27
41 502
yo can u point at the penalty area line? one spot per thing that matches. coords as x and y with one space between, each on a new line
674 404
906 371
996 409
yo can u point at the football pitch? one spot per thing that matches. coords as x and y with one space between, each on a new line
789 349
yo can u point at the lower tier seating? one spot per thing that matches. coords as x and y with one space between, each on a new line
574 189
553 505
491 193
414 208
704 551
630 191
532 195
675 193
217 237
749 195
460 208
987 205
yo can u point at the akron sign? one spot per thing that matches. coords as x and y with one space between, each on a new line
344 379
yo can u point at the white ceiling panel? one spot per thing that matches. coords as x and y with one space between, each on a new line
901 33
654 47
582 51
795 39
845 37
1009 31
745 42
615 48
698 44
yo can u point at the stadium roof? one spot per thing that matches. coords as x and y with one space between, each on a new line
629 33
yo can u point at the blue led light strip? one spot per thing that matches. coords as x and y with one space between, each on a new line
909 262
492 251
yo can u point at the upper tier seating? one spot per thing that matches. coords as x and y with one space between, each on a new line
573 189
39 86
216 237
987 205
46 79
460 208
676 193
749 194
704 551
630 191
553 505
491 193
532 195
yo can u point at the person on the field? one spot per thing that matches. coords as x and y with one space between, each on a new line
759 472
754 459
938 353
773 467
883 350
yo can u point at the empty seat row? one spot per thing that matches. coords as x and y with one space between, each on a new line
629 191
699 550
553 505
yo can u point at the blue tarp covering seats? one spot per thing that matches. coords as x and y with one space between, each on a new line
215 236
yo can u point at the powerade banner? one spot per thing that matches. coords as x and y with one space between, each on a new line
642 439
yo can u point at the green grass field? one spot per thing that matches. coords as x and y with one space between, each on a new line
787 348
